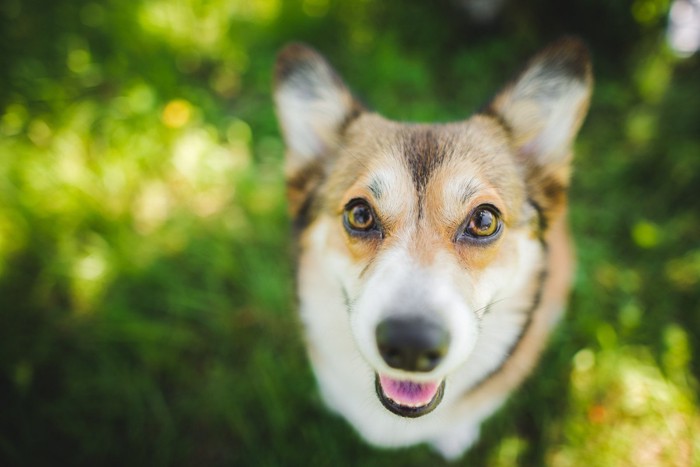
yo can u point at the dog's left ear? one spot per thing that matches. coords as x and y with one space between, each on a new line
543 109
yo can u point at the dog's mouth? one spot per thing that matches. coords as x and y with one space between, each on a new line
409 398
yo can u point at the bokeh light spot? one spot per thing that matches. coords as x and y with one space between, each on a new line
13 119
645 234
584 360
78 61
630 315
39 132
684 272
176 113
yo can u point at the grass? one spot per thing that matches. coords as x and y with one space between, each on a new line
146 274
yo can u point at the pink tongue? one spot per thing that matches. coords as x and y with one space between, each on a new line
408 393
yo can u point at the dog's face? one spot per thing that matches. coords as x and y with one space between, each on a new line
415 238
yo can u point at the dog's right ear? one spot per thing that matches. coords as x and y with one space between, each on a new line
313 107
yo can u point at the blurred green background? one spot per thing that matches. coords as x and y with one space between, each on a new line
146 277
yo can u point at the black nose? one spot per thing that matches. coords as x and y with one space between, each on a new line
412 343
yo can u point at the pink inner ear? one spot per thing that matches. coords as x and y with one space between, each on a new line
408 393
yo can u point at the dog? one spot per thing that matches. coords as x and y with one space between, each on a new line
433 259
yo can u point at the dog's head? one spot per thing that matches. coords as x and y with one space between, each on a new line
426 243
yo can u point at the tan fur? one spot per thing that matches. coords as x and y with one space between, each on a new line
525 355
497 297
486 157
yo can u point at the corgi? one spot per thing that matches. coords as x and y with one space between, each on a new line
433 259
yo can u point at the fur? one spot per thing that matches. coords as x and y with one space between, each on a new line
494 298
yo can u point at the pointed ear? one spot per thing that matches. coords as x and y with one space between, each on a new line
313 104
545 106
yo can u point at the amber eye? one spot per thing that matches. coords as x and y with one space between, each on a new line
359 218
483 224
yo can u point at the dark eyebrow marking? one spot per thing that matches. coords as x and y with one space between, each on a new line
468 190
376 187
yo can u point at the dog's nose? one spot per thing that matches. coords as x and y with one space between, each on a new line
412 343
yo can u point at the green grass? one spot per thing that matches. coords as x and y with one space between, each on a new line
146 271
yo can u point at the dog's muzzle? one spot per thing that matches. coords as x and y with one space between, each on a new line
416 345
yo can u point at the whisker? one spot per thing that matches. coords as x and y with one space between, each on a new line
481 311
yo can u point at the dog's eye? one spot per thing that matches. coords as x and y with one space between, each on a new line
484 223
360 220
358 216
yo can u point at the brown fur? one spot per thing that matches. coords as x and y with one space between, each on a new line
532 342
438 156
423 182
